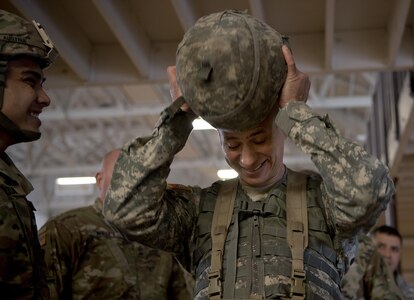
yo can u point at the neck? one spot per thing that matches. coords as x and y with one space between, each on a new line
5 141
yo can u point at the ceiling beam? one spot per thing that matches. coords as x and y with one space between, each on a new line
128 31
397 145
140 110
73 46
257 10
185 12
396 27
329 32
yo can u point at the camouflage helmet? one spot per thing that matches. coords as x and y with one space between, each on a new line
230 69
20 37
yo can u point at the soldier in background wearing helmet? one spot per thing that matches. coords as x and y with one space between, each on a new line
25 51
272 233
90 259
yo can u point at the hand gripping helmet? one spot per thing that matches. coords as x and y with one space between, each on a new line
19 37
230 68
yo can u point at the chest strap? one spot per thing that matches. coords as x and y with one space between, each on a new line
297 230
223 212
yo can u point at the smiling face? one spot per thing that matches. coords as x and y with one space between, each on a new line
255 154
24 97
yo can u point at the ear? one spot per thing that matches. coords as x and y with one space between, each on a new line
98 177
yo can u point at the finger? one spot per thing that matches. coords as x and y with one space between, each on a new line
289 58
172 74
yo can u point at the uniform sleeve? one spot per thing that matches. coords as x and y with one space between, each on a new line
356 186
60 246
139 202
369 277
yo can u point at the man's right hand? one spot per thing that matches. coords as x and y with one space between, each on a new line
175 90
297 84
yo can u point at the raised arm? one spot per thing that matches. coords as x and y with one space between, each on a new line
356 186
139 202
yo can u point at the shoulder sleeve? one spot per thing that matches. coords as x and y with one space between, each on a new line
139 202
356 186
61 246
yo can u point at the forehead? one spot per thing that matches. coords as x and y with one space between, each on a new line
242 133
390 240
23 64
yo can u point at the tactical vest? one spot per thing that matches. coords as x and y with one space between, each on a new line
257 260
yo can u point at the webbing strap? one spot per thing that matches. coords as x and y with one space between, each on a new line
297 230
223 211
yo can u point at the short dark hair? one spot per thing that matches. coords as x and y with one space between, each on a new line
387 230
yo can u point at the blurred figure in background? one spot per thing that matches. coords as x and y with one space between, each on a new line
375 271
90 259
389 243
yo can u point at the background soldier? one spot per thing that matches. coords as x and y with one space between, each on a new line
25 50
369 276
389 243
89 259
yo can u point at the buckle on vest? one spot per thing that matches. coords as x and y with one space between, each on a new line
298 283
214 288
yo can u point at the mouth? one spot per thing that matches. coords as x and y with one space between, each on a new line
35 113
252 171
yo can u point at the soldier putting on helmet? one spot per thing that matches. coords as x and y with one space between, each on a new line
25 51
271 233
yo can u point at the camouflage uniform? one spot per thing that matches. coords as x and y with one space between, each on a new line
89 259
355 190
406 288
22 273
369 277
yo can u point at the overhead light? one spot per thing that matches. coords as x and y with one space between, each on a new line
200 124
227 174
75 180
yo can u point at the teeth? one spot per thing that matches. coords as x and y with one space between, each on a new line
33 114
258 167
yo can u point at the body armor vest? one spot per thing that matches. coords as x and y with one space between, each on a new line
257 258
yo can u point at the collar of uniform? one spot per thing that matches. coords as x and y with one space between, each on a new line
11 177
257 194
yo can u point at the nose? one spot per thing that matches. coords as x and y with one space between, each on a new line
42 97
247 157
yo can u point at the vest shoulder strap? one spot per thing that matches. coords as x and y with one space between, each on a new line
223 212
297 229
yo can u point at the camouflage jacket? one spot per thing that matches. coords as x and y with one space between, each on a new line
22 269
406 288
88 259
355 186
369 277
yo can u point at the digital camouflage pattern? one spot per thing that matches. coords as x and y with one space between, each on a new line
89 259
19 36
229 64
22 269
406 288
355 188
369 277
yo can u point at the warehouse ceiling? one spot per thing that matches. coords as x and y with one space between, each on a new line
109 84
